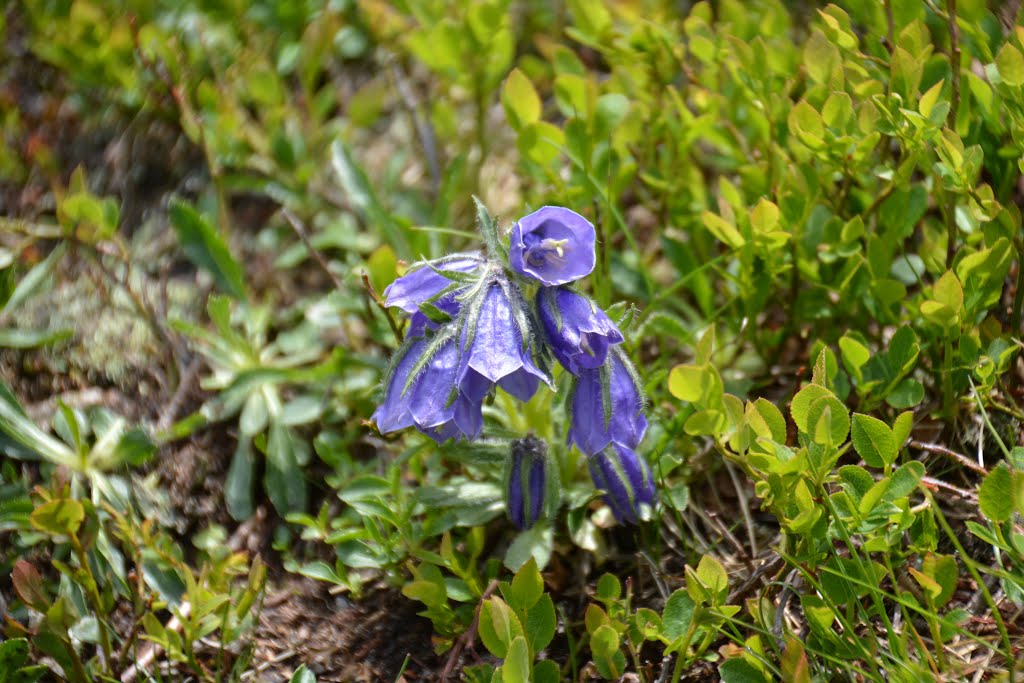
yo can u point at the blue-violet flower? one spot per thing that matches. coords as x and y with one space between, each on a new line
424 281
606 406
578 332
626 481
421 392
554 245
496 348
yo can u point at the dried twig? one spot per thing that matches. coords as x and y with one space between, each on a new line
372 294
467 638
942 450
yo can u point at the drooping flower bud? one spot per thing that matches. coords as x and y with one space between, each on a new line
626 480
554 245
578 331
531 489
606 406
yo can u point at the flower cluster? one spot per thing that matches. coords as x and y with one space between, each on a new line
473 329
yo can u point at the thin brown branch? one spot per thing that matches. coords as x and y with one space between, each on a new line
942 450
372 295
467 638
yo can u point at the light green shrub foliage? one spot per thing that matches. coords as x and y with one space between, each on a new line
814 212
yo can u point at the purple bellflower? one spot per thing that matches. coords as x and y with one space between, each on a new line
527 484
554 245
420 392
606 406
425 283
626 481
496 345
578 332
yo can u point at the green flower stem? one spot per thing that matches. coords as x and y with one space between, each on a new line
93 594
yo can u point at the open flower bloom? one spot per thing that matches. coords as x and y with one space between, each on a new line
626 481
526 481
578 332
494 350
599 417
553 245
419 323
423 281
429 401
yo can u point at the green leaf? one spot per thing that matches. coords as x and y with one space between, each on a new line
13 655
498 626
1010 63
37 279
710 422
723 230
821 57
536 543
302 675
321 571
712 577
677 615
854 355
527 586
517 668
929 99
17 338
546 671
700 384
608 588
431 594
807 125
765 216
205 248
837 424
739 670
995 495
944 571
901 428
904 480
604 641
907 394
763 412
873 440
61 517
801 405
541 623
519 97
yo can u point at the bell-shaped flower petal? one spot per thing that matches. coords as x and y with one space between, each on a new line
578 332
434 398
554 245
526 481
419 323
424 280
599 416
430 401
494 350
626 480
394 412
